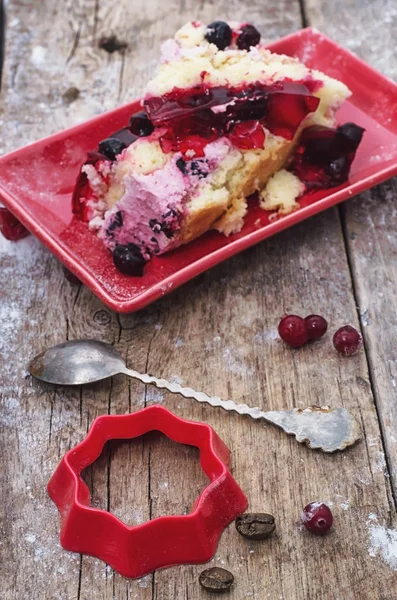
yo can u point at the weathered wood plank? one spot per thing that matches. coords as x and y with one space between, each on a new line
217 334
370 30
231 332
2 35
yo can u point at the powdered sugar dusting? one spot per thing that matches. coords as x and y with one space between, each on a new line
20 261
152 396
8 248
380 464
144 582
38 55
235 363
382 542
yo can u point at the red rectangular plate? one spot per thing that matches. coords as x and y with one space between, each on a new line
36 183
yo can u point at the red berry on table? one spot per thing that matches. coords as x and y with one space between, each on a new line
316 326
292 330
10 227
347 340
317 518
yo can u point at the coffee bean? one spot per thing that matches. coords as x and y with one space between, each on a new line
216 580
255 526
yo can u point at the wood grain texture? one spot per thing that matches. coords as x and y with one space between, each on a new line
217 333
370 220
2 34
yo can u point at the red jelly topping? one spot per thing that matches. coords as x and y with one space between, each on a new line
249 134
10 227
208 113
324 155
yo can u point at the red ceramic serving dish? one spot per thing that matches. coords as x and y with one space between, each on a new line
36 183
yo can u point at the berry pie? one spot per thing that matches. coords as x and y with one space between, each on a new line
222 118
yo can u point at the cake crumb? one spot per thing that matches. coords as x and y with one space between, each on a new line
281 192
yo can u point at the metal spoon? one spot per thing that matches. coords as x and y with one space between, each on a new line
85 361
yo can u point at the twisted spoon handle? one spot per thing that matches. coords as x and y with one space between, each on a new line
187 392
318 427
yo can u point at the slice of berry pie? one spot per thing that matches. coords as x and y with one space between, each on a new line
222 118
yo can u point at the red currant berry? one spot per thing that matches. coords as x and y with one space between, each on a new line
317 518
347 340
316 326
292 330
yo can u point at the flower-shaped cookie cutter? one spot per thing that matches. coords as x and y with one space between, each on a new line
135 551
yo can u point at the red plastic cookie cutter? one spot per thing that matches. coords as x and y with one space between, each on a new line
164 541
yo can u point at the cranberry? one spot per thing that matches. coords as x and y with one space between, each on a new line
292 330
248 37
141 125
10 227
129 260
347 340
219 33
316 326
317 518
111 148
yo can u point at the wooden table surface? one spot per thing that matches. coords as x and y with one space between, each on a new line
217 334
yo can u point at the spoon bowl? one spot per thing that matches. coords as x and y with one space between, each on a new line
77 362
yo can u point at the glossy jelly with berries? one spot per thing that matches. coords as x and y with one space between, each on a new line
202 114
324 155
